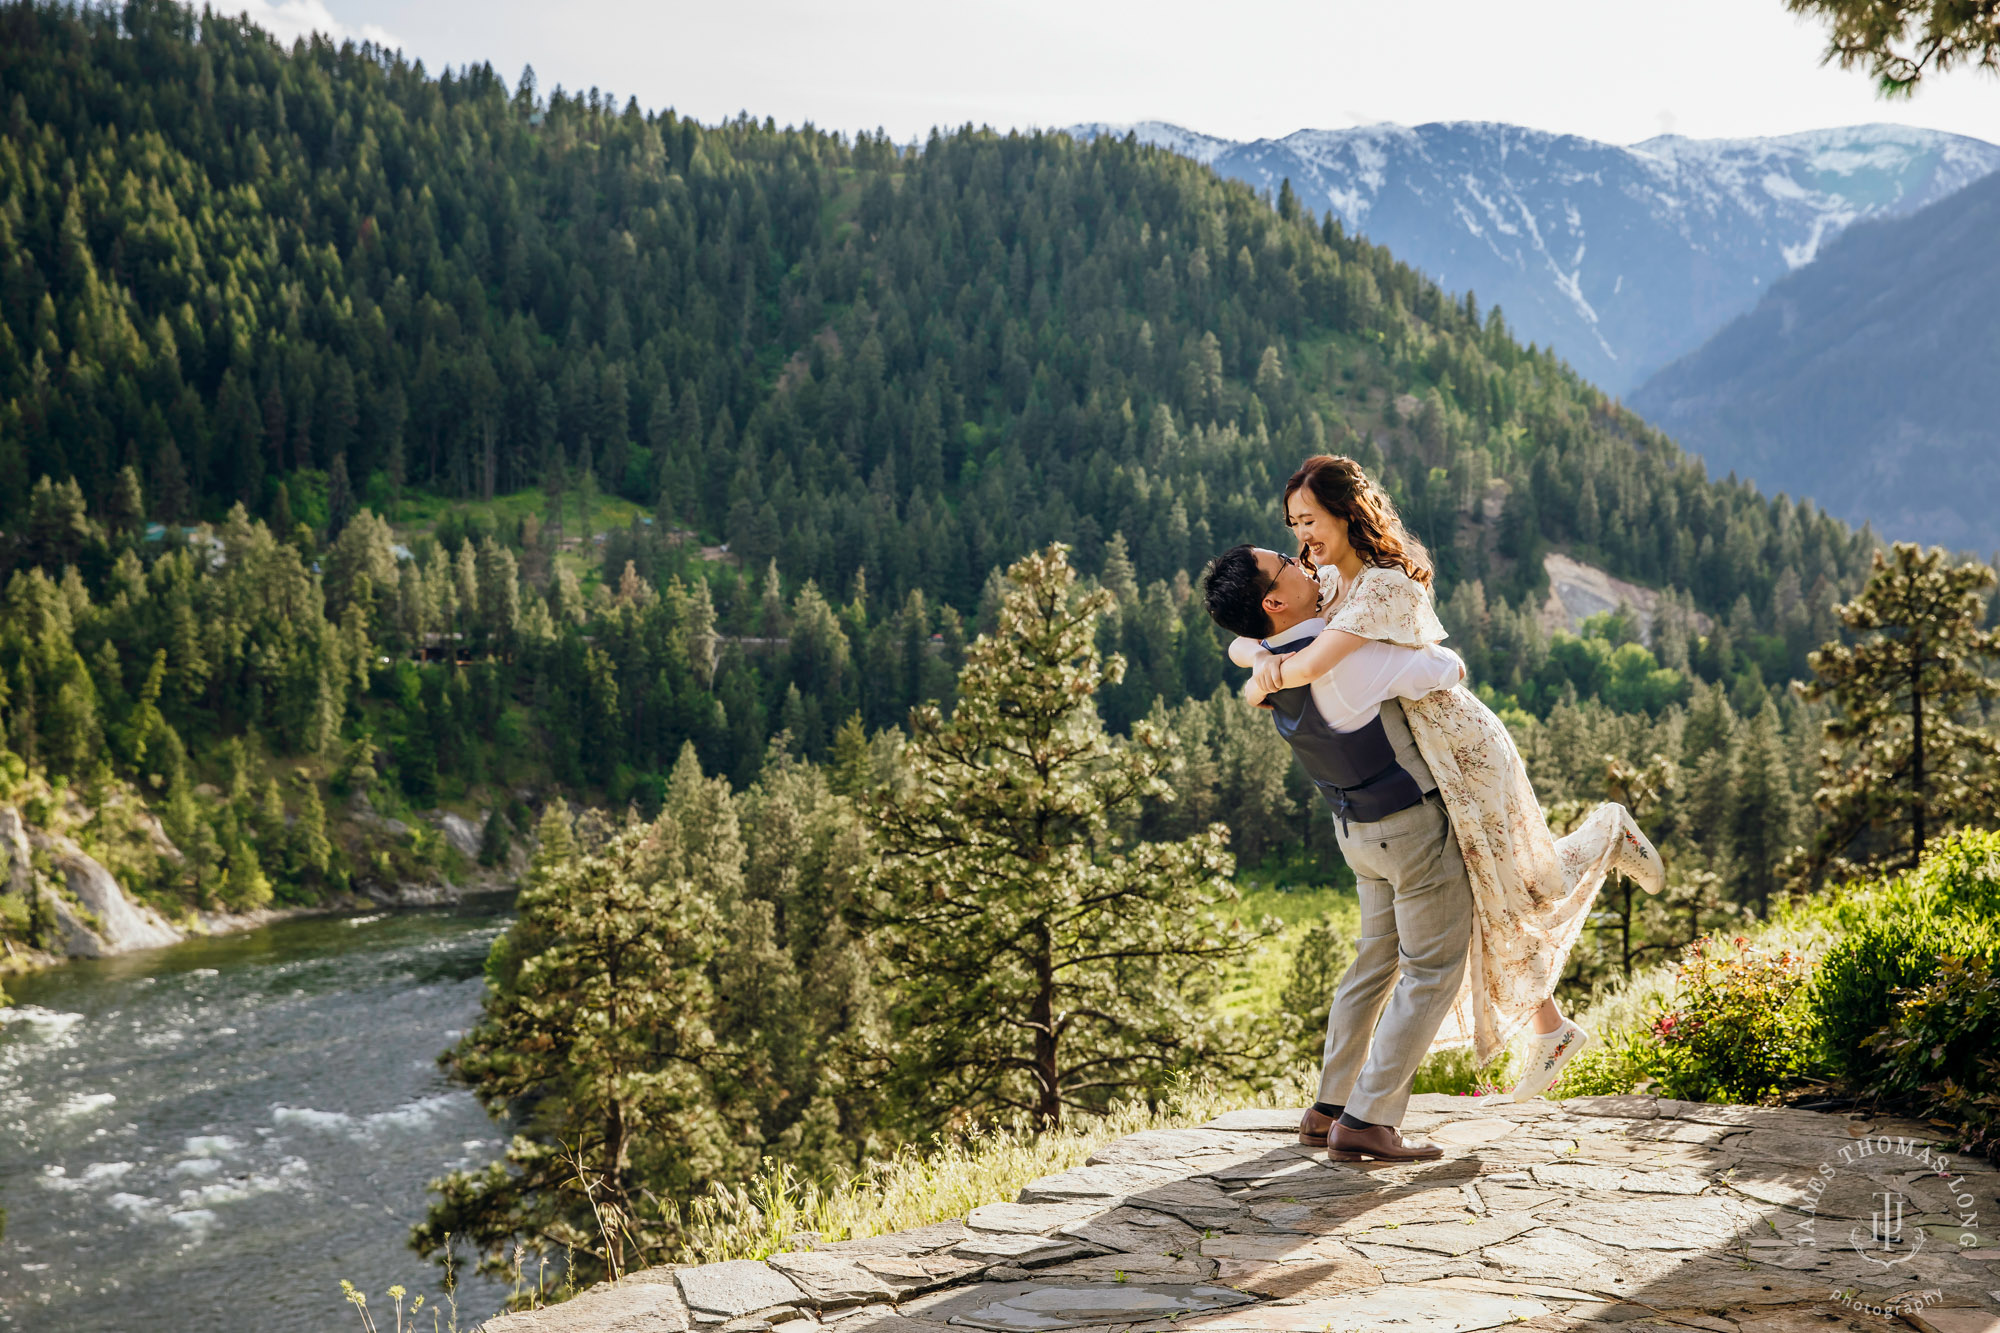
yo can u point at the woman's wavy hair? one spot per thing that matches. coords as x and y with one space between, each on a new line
1374 529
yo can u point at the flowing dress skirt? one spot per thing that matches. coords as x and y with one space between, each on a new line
1531 891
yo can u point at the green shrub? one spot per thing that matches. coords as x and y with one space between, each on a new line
1738 1029
1853 991
1891 938
1961 874
1937 1055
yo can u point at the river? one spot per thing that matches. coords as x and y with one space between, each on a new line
215 1134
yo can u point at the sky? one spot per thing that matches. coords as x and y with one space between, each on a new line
1613 70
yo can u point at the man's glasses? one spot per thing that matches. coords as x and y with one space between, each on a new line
1283 560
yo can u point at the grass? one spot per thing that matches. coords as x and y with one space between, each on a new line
438 1321
781 1211
1290 894
420 511
1298 901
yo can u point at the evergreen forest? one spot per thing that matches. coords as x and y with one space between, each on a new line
376 441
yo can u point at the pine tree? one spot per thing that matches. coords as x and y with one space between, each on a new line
499 594
72 729
1908 759
312 851
1902 41
1762 812
1043 963
269 823
361 552
1322 956
465 591
700 635
848 765
244 888
59 528
1119 578
595 1040
339 495
126 512
493 839
282 522
144 723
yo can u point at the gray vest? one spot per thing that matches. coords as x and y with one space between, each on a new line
1365 774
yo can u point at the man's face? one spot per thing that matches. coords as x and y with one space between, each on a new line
1292 595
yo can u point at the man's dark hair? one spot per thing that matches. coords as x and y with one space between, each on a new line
1233 590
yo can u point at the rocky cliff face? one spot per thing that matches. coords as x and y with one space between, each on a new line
93 916
1578 591
108 922
16 867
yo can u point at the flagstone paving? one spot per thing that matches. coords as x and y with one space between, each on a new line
1598 1214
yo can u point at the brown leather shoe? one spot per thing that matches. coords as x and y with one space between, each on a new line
1381 1143
1313 1126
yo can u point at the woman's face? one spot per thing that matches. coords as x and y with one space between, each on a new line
1322 536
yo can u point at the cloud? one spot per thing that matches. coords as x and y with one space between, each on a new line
288 20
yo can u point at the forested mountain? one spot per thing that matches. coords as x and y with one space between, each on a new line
319 375
276 289
1866 379
1621 259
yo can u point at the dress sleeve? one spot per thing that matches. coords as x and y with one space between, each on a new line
1389 605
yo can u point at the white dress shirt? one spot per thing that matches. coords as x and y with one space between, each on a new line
1351 694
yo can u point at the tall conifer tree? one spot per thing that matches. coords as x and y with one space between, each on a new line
1908 758
1045 962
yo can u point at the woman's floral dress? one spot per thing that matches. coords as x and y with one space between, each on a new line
1531 891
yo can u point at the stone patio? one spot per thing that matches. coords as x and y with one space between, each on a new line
1599 1213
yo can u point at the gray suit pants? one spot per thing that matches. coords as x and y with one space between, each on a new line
1416 925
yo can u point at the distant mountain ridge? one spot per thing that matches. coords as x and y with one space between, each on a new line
1866 379
1621 259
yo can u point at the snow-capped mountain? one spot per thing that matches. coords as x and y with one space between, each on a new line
1203 148
1864 380
1620 258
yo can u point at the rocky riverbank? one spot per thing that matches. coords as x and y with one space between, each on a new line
92 915
1635 1214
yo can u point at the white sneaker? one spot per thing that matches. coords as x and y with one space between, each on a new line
1546 1058
1638 858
